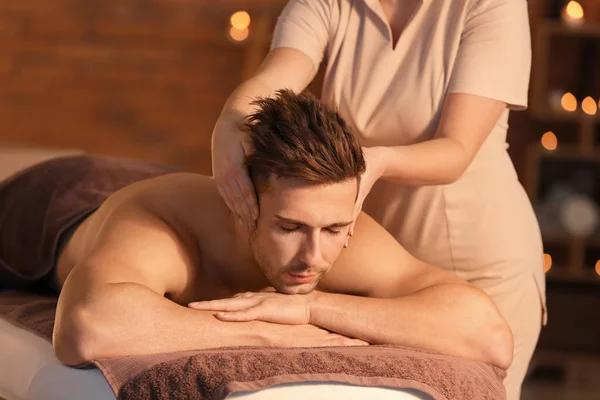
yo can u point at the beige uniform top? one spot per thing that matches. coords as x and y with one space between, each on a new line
482 227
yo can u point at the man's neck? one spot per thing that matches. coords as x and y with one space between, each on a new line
237 267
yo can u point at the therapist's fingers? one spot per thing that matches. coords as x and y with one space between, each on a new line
357 211
229 199
247 194
225 196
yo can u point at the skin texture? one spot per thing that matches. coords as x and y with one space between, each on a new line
148 271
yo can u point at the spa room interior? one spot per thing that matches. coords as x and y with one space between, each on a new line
147 79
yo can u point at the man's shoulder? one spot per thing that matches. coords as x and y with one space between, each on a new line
177 188
371 252
179 199
160 220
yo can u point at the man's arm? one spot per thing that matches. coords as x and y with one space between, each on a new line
379 293
113 304
400 300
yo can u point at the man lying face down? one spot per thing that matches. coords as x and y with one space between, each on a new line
163 266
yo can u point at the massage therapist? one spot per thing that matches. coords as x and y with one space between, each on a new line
427 85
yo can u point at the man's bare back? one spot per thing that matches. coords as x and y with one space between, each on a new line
181 210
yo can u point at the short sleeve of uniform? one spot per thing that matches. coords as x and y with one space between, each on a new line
494 55
305 26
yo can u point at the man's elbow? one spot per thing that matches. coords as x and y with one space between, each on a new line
75 340
498 346
495 337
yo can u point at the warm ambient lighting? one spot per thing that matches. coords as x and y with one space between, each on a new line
569 102
240 20
549 140
572 14
238 34
548 262
598 267
588 105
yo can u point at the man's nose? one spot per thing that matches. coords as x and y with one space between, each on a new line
310 254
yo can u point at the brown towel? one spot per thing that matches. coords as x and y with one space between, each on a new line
216 373
38 204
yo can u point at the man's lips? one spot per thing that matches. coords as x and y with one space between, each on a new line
302 278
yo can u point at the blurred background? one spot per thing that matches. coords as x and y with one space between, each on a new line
147 79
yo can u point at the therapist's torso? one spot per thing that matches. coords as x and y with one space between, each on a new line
482 226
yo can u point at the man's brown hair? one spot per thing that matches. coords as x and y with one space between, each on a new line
297 136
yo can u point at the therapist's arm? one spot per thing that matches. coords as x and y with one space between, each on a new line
283 68
465 123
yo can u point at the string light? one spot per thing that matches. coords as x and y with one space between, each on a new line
572 13
574 10
569 102
240 20
238 34
588 105
548 262
549 141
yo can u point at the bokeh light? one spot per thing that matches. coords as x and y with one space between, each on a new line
240 20
549 141
569 102
238 34
588 105
574 10
547 262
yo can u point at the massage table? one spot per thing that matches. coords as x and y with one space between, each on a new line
30 371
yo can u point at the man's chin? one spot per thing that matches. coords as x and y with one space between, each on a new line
294 289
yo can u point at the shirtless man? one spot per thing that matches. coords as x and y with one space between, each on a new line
162 266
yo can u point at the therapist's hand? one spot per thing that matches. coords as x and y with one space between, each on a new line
229 149
375 169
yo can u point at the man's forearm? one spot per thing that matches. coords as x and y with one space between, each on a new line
452 319
129 319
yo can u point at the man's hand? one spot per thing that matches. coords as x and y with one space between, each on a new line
309 336
265 306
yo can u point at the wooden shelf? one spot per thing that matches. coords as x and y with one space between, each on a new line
566 152
560 273
559 28
540 91
546 115
593 240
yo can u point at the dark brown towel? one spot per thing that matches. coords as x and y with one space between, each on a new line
29 311
216 373
38 204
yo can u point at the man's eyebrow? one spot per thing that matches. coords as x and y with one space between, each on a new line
296 222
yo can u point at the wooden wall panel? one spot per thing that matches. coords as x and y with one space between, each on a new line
133 78
136 78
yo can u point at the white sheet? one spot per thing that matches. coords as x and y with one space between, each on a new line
30 371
